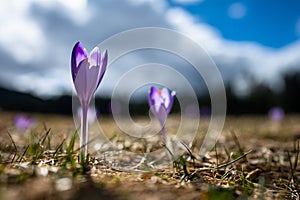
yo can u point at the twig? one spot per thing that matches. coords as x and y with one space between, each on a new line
221 165
21 158
58 147
233 161
43 138
16 150
144 158
188 149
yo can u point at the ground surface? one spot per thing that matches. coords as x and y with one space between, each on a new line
255 158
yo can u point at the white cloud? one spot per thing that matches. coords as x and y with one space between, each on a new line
186 23
74 5
157 5
231 57
41 41
20 35
77 10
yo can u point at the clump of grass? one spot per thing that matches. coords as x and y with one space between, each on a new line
293 185
36 147
222 169
38 151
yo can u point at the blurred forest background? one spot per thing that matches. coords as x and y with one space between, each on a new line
255 45
259 101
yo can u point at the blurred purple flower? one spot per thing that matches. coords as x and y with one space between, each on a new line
23 122
92 114
161 102
87 73
276 114
192 111
114 107
205 111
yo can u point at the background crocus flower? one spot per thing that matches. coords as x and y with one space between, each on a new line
23 122
276 114
91 117
161 102
87 73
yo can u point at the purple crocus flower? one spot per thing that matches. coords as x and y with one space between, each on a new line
276 114
23 122
161 102
87 73
92 114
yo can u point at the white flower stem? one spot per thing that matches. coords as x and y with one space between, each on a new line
84 134
164 134
168 143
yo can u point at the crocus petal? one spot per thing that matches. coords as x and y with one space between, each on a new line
155 100
92 82
95 57
156 105
99 70
161 114
168 99
165 94
86 82
150 94
102 69
172 95
161 103
78 55
80 81
87 77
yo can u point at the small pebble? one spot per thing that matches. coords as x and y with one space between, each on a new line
154 179
63 184
42 171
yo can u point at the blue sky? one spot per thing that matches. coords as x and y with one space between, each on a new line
259 39
272 23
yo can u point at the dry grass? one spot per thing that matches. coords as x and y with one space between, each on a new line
253 159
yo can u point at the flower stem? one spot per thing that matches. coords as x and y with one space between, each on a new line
164 134
84 134
168 143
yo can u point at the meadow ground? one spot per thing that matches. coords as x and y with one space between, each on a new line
254 158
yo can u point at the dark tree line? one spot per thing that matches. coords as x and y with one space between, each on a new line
259 101
262 98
